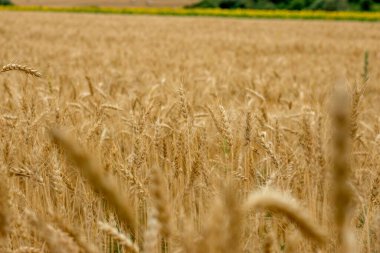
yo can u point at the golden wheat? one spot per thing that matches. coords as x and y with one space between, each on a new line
99 182
119 237
21 68
280 203
191 134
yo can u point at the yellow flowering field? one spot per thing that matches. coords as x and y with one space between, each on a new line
241 13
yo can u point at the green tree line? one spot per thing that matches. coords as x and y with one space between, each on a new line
329 5
5 2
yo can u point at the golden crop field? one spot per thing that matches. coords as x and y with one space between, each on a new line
181 134
149 3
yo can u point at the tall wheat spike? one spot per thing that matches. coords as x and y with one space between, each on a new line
21 68
105 185
342 192
54 240
119 237
159 199
280 203
151 233
26 249
76 235
5 221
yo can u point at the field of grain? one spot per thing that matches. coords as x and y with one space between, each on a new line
118 3
178 134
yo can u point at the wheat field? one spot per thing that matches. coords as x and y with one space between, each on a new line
132 3
178 134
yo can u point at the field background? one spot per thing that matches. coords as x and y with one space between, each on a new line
115 3
134 92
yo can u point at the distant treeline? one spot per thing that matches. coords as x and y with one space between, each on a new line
5 2
330 5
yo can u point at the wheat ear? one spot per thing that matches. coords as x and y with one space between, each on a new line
151 232
342 192
26 249
21 68
4 208
54 240
76 235
160 202
103 184
119 237
276 202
